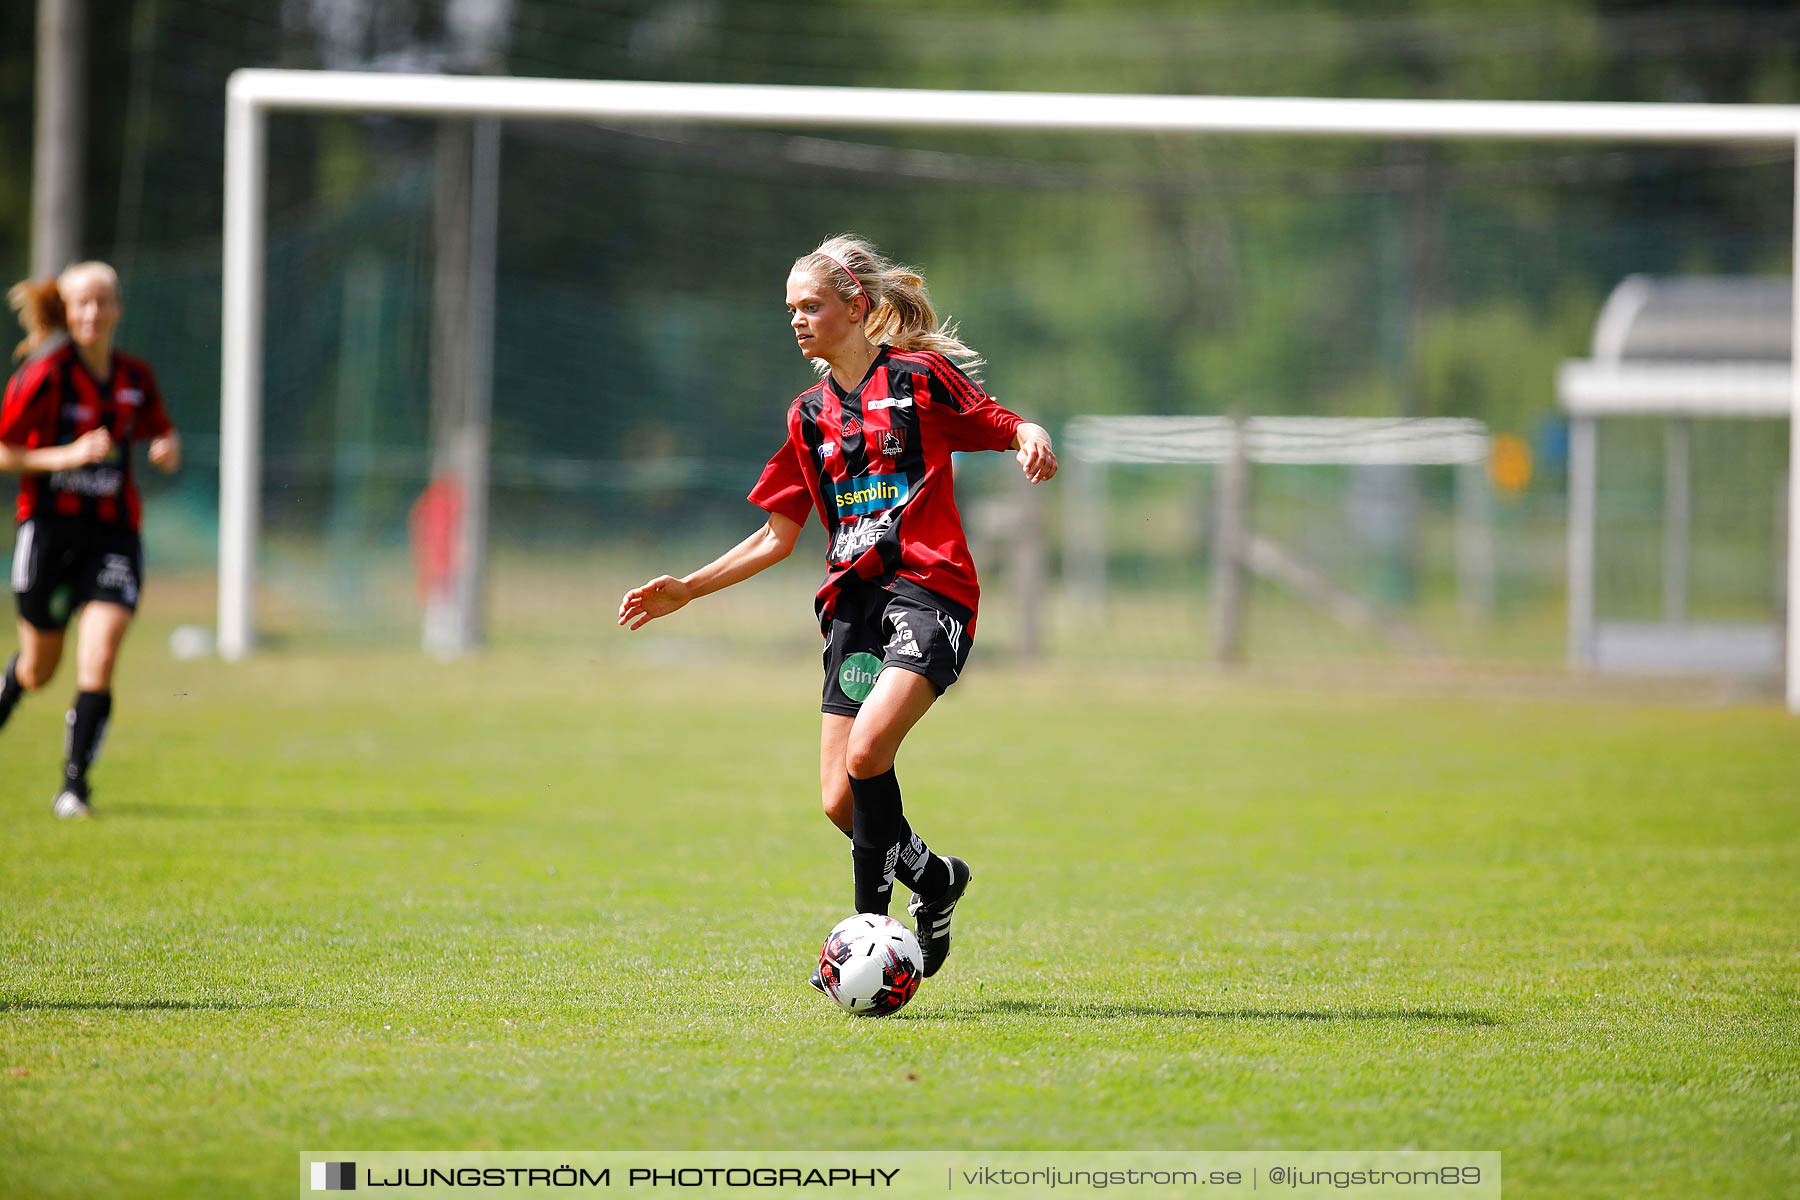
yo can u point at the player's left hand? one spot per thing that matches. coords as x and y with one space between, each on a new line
657 598
1035 455
165 452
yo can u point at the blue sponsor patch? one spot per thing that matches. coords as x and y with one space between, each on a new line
872 493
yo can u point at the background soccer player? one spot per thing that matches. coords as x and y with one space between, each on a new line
71 415
869 448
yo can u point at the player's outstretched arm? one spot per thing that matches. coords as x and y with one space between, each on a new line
1035 455
90 447
665 594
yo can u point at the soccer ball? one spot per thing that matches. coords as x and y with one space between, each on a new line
871 964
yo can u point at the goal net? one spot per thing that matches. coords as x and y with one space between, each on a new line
537 326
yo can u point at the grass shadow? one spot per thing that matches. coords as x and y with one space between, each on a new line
17 1004
1121 1011
266 814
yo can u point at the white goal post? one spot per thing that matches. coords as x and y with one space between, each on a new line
252 95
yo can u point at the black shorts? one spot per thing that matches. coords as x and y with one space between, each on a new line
60 565
872 628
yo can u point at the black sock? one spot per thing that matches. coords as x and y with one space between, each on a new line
87 729
927 874
877 825
10 691
884 845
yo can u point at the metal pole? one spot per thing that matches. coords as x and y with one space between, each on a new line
1231 549
466 246
1475 581
786 105
1677 519
1792 629
1582 505
240 396
445 633
57 137
484 238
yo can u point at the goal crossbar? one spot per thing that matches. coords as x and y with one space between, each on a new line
254 93
778 104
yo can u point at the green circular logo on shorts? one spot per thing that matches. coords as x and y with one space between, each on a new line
857 676
62 603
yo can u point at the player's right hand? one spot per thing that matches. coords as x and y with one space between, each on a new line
91 447
658 598
1035 456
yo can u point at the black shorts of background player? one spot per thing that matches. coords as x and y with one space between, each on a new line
869 449
70 416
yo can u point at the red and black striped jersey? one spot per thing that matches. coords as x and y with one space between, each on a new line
875 464
51 400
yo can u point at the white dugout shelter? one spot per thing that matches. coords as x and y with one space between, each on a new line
253 94
1676 350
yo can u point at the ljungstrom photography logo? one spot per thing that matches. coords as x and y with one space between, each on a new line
334 1177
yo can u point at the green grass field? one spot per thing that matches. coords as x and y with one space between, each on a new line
357 899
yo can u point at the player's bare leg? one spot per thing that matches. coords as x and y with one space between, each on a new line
103 629
40 650
834 784
899 700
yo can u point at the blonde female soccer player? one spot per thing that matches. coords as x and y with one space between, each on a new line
71 414
868 448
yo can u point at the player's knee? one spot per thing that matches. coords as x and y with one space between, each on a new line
33 673
865 759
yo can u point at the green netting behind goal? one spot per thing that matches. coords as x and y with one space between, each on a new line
642 360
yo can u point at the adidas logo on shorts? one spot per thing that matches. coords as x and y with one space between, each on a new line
904 642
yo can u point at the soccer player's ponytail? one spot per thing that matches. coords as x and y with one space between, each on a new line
39 302
900 311
40 308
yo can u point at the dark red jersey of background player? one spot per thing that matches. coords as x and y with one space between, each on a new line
53 399
876 465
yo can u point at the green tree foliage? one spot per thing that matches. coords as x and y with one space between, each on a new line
1131 274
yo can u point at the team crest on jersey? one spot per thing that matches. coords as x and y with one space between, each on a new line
893 443
131 396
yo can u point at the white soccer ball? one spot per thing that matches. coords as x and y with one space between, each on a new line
190 642
871 964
